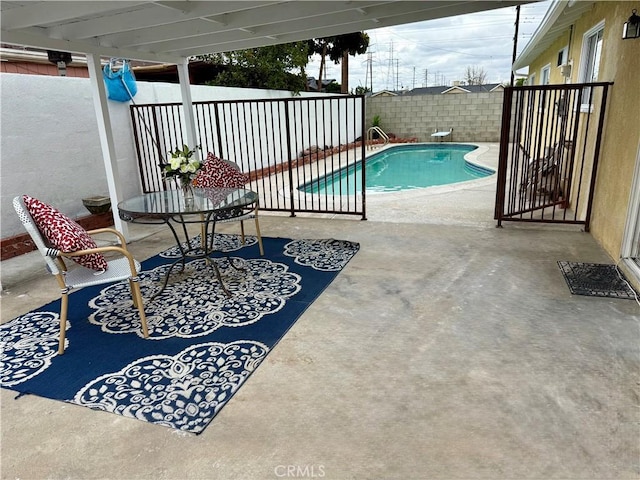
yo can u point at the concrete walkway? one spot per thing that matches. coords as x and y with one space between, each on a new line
446 349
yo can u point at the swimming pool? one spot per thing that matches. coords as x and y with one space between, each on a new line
402 167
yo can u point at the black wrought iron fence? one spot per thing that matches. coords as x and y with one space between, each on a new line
549 151
301 154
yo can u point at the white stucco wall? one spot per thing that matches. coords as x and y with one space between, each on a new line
49 144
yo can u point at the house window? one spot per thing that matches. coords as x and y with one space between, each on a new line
532 79
545 73
562 57
590 61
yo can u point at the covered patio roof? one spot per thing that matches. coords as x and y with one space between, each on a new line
168 31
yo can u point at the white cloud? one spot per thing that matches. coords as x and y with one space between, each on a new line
437 52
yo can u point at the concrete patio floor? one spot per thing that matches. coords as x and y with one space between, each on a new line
446 349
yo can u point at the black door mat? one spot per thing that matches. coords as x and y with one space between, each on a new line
596 280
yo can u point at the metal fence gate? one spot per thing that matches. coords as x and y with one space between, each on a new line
549 151
301 154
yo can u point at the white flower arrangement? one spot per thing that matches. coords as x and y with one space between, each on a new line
182 165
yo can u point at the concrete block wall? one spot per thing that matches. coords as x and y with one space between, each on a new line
474 117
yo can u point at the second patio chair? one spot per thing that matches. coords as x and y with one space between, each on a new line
220 173
541 176
52 232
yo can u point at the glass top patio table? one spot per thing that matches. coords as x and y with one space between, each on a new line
206 207
171 204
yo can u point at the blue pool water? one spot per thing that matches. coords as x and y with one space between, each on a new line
402 167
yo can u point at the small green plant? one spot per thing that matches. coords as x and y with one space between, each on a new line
375 123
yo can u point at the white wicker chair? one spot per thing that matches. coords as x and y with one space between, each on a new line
121 268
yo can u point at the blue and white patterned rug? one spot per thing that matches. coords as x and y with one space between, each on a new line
202 345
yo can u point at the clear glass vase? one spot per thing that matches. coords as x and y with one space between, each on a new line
186 186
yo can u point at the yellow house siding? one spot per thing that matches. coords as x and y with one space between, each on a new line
621 139
550 56
619 63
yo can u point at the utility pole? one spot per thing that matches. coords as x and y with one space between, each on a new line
390 67
426 77
370 71
397 73
413 85
366 75
515 44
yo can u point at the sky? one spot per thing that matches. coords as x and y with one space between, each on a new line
438 52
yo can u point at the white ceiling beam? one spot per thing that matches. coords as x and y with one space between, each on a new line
181 7
258 16
44 13
118 22
202 37
147 17
295 11
242 44
20 38
164 33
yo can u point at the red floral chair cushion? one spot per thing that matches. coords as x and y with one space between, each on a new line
218 173
64 234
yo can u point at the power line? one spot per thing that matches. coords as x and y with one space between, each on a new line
446 56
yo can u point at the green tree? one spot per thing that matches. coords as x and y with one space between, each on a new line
360 90
333 87
338 48
279 67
